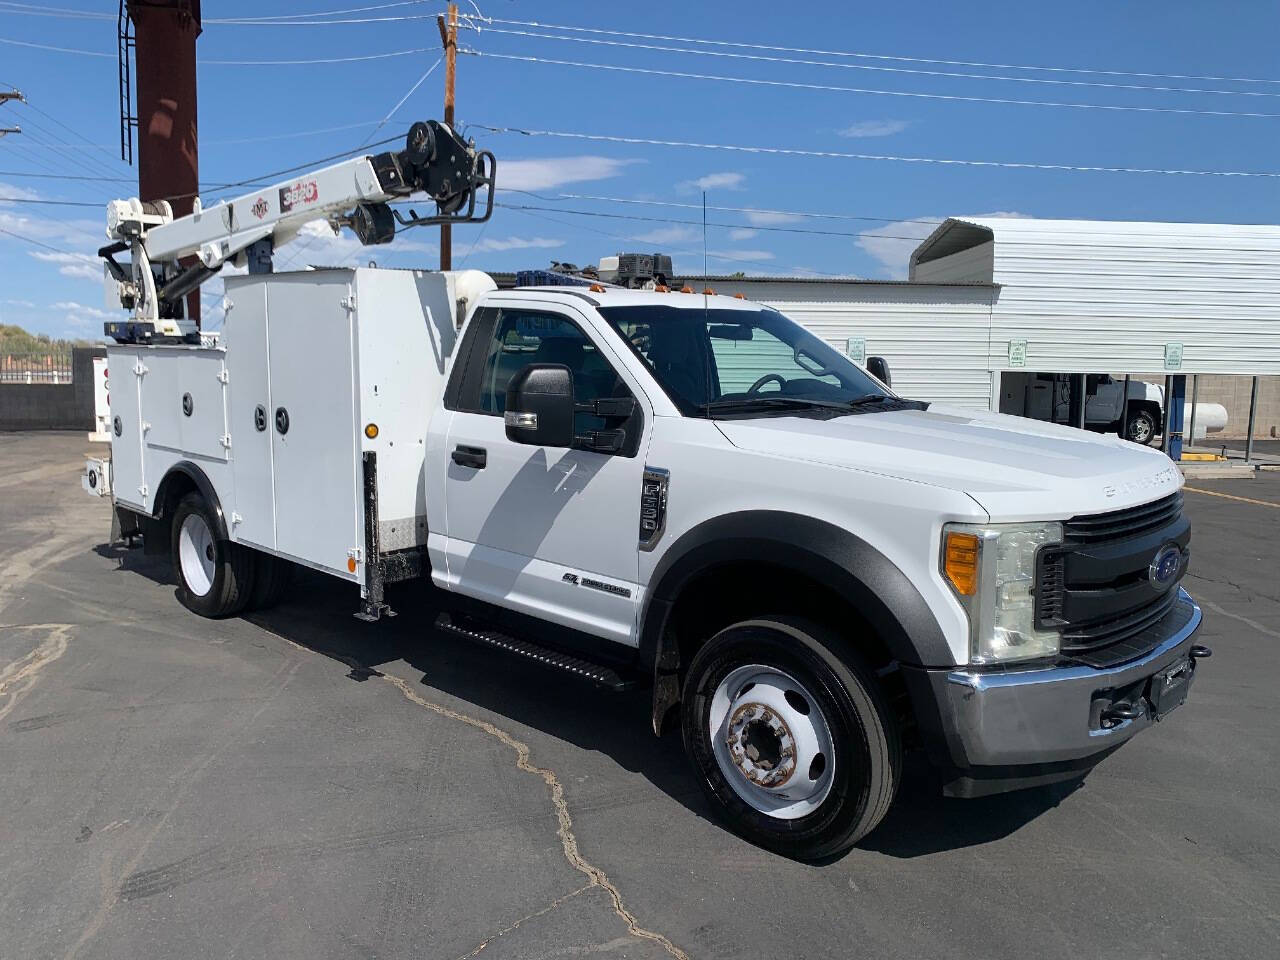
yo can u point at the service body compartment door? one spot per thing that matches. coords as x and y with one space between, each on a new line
126 445
315 456
249 415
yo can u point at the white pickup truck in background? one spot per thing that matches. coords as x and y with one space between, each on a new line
1047 396
815 574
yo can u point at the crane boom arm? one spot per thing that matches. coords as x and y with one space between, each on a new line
353 193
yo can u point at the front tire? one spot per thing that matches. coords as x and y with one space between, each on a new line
214 576
1141 427
790 735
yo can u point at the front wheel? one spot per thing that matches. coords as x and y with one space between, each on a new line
1141 427
791 737
214 576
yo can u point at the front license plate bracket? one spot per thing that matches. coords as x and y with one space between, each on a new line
1168 689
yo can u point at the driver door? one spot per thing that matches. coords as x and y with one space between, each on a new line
546 531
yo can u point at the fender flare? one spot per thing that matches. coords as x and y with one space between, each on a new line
835 557
197 476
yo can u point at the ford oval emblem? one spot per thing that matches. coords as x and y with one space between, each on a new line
1165 566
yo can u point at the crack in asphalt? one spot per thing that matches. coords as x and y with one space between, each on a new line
568 840
565 831
533 916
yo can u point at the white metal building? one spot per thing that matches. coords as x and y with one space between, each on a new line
1078 296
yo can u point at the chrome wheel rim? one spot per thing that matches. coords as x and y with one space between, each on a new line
197 554
1140 431
771 741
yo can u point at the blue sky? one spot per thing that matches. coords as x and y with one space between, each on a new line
254 119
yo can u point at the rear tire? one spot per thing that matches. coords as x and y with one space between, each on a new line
270 581
790 735
214 576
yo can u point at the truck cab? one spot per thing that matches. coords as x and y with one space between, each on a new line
812 573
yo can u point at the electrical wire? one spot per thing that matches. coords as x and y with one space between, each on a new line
64 176
676 252
318 13
66 13
45 46
763 211
694 223
486 21
296 63
840 155
400 103
51 203
47 246
835 88
794 61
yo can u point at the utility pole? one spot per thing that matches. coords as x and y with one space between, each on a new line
5 97
449 38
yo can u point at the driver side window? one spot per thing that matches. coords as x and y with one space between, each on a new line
522 337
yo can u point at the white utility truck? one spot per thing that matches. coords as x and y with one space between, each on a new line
815 573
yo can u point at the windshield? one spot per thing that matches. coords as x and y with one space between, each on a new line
709 360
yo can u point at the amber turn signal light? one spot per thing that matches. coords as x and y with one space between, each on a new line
371 431
960 562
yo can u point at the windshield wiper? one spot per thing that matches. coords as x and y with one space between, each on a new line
749 403
868 399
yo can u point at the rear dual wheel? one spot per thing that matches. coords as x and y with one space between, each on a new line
791 737
217 578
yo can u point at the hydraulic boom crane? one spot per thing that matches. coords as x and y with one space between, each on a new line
354 193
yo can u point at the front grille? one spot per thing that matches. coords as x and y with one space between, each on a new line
1123 523
1095 587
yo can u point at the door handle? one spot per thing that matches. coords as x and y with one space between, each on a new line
470 456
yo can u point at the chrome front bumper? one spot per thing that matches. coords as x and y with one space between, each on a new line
1048 720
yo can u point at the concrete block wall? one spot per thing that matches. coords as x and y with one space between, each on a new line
1233 393
53 406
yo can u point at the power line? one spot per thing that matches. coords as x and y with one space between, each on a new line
47 246
835 88
45 46
695 223
51 203
763 211
400 103
840 155
64 176
233 63
864 56
794 61
66 13
318 13
642 240
296 63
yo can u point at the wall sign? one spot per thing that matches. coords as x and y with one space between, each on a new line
1017 353
1173 356
855 348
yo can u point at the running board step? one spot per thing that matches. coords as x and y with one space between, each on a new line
478 633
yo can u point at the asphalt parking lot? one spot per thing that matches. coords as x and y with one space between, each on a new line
301 784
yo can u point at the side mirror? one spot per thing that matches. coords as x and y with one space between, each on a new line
540 407
878 367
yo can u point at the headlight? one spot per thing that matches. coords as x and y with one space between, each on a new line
992 571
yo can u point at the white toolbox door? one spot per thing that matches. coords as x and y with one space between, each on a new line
246 337
126 446
313 430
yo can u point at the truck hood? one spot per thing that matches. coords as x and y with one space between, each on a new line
1015 468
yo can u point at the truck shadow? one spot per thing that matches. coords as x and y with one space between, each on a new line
317 614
